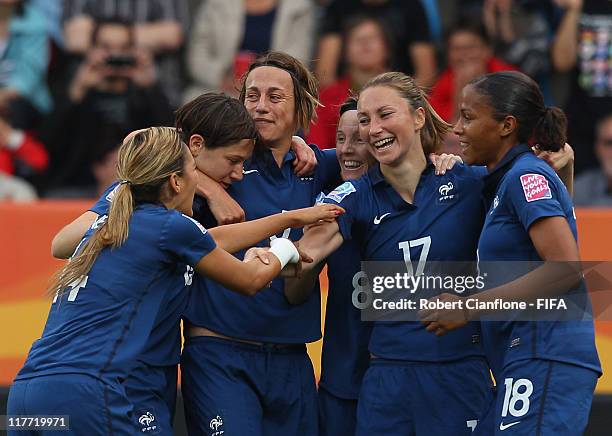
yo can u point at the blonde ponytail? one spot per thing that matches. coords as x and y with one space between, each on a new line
145 163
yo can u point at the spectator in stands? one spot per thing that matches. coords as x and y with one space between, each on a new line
52 12
21 154
584 46
24 56
366 54
158 27
469 55
16 189
594 187
115 87
227 35
406 22
521 32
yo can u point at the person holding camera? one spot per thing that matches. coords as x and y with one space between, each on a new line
114 87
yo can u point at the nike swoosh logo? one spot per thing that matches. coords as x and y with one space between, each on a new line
249 171
503 426
378 220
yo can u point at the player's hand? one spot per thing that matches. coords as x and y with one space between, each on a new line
441 321
305 160
224 208
444 162
260 253
556 159
294 270
315 214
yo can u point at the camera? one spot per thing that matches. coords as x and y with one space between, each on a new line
120 61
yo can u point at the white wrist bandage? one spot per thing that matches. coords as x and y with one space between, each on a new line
285 251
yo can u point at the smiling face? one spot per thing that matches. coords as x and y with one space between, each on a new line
479 133
225 163
270 101
388 123
352 152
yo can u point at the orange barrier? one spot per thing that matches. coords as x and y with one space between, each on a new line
26 264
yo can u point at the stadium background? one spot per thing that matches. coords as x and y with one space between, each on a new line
26 231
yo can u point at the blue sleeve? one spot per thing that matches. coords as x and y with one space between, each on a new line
532 195
346 196
103 204
327 173
186 238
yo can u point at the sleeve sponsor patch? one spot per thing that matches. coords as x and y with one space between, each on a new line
341 191
320 198
200 226
535 187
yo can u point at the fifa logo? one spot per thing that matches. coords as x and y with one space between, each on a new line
215 423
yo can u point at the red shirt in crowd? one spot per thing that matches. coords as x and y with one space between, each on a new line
323 131
31 152
442 94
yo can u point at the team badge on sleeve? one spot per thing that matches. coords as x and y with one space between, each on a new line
320 198
535 187
341 191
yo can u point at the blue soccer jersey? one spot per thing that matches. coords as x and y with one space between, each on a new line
345 356
267 317
164 344
525 189
101 325
387 228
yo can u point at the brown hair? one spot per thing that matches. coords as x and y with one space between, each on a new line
305 86
435 128
219 119
146 161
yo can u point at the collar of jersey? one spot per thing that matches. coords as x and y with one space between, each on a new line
265 157
491 180
378 181
376 175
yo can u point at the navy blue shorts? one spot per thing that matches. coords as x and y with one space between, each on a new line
540 398
152 391
337 416
244 389
419 398
93 407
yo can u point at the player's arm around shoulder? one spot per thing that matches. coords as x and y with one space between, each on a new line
67 239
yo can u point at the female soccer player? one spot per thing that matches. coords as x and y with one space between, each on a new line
546 370
239 348
345 354
220 134
401 211
108 297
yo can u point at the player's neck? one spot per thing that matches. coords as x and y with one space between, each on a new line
405 176
502 150
279 150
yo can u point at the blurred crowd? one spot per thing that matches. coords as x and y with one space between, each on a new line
77 75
